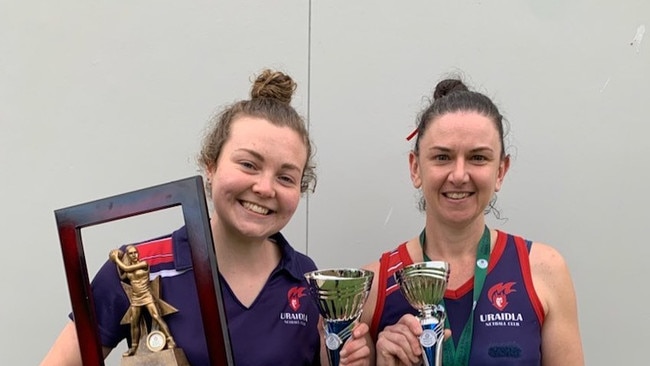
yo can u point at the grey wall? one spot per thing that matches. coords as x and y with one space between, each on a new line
99 98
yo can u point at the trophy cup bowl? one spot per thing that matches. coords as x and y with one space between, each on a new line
340 294
423 285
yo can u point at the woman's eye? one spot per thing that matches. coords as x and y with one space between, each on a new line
247 165
287 179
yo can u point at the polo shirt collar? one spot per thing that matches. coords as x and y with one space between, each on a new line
288 262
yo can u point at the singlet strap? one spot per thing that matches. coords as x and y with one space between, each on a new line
382 279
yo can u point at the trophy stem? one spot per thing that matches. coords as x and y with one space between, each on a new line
336 333
432 320
423 286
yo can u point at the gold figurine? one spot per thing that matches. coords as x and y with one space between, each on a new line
143 293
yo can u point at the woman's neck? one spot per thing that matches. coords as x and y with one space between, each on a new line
449 243
236 252
245 263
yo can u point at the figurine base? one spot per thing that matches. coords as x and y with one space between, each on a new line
166 357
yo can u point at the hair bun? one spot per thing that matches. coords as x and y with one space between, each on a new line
447 87
274 85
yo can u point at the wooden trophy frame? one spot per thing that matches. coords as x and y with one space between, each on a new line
190 195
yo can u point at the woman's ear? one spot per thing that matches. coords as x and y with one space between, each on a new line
504 165
414 166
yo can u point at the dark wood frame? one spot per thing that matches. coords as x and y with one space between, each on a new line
188 193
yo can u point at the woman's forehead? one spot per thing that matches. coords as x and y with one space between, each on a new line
467 124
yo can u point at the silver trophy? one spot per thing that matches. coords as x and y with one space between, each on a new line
339 295
423 285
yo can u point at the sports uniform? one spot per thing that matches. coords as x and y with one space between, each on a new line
508 316
279 327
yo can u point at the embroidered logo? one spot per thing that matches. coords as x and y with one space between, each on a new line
498 294
293 295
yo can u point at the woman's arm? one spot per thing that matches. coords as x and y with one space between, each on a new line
561 343
65 350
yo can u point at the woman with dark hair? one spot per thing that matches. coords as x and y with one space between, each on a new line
509 301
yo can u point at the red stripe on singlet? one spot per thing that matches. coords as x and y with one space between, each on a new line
389 263
524 262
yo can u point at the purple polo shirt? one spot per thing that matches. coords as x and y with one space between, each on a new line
279 327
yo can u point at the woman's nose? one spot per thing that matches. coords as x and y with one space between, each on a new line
264 186
458 174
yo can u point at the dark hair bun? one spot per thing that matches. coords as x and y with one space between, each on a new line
447 87
274 85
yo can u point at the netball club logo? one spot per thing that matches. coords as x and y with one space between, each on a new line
293 296
498 294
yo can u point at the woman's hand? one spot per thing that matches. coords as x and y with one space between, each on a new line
399 344
356 350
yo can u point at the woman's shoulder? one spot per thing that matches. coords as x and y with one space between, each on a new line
550 273
542 255
546 258
405 252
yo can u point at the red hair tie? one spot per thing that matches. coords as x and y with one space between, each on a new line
412 134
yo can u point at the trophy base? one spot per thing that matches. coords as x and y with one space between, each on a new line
166 357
